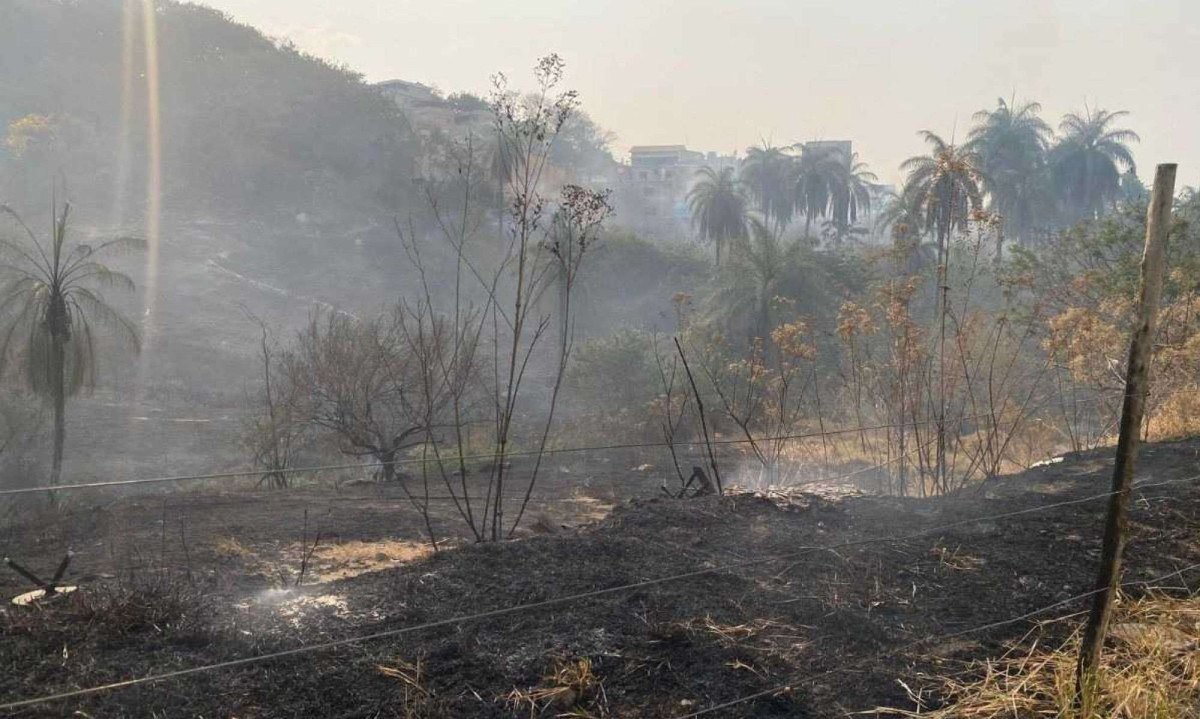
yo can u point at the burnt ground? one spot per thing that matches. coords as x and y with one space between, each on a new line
839 626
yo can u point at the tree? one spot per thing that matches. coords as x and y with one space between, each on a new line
358 380
718 207
543 245
273 432
852 185
1088 160
769 174
814 181
751 277
48 307
1011 143
946 181
828 183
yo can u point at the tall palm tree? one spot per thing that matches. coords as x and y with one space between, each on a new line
815 179
48 306
768 174
718 206
1011 143
852 187
1088 160
947 181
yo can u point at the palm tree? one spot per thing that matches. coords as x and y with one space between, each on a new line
1011 143
718 206
814 181
1088 160
750 279
48 306
768 173
947 182
852 187
902 218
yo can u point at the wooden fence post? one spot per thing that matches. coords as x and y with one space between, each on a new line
1141 345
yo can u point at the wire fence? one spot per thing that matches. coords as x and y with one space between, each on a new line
322 527
409 461
608 591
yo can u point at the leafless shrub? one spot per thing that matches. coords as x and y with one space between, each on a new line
357 380
504 337
273 432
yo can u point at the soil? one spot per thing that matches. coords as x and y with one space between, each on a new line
183 580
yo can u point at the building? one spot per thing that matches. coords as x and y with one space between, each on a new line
663 163
652 188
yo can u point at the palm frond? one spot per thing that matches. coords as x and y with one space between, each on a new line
101 274
93 308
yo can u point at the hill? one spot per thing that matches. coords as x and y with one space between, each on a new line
249 124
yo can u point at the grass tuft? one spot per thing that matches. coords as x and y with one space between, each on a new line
1150 670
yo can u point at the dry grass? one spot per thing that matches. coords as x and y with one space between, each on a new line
955 558
570 689
230 547
415 698
349 559
1150 670
1178 416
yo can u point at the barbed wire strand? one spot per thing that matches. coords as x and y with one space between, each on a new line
557 601
471 458
769 492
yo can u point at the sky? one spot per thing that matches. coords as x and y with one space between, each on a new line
721 76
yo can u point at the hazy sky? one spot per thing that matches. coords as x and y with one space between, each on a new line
724 75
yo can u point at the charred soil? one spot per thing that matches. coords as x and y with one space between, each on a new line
843 601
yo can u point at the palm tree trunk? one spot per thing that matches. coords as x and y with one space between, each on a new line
764 315
59 391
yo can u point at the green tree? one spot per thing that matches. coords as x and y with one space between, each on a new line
853 183
48 306
757 265
718 207
1011 143
1088 160
827 183
769 175
946 181
814 181
902 217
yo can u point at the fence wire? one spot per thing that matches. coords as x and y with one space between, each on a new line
567 599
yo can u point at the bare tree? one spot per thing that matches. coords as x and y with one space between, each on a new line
357 380
501 344
273 432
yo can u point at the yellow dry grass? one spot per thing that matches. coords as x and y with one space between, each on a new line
230 547
349 559
1178 416
565 691
1150 670
415 697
